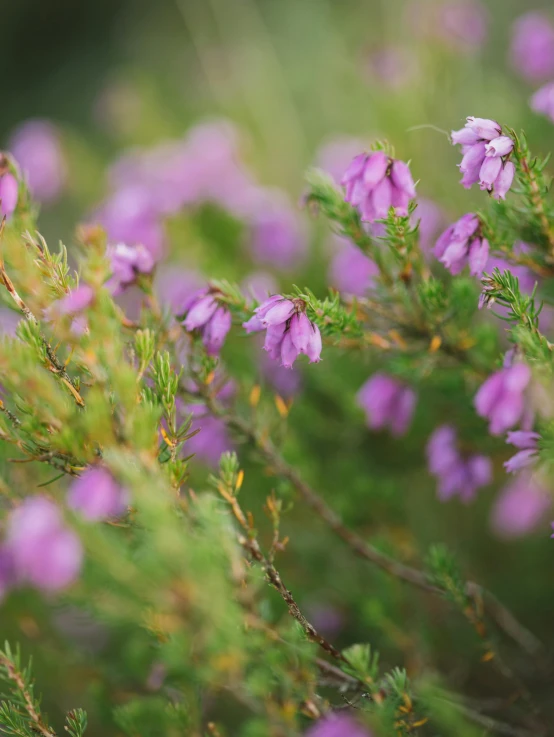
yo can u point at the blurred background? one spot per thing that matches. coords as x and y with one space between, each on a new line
188 125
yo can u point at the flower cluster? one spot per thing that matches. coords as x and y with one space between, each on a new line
501 399
462 244
387 402
374 183
39 550
289 331
485 156
204 313
521 507
456 473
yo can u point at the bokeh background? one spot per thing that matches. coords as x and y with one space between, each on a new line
292 84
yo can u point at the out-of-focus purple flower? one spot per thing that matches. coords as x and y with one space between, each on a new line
527 455
127 263
351 271
520 507
74 302
9 194
463 24
431 218
326 618
130 216
532 47
485 151
374 183
501 399
210 317
213 437
96 495
45 553
9 320
335 155
277 234
337 725
260 285
393 66
176 287
37 149
286 382
461 244
457 474
289 332
543 101
387 402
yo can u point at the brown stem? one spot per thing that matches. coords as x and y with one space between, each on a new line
17 678
504 619
56 366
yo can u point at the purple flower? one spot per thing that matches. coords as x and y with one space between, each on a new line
484 160
393 66
457 474
286 382
431 219
74 302
45 553
527 454
277 235
521 507
176 287
463 24
36 147
289 332
351 271
501 398
387 402
213 438
532 47
461 245
96 495
374 183
127 263
211 318
543 101
337 725
9 194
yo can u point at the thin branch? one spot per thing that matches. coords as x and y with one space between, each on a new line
495 609
15 676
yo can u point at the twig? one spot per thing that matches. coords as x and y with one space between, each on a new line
495 609
19 681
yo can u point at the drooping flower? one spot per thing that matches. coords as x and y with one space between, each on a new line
351 271
96 495
45 553
127 263
457 474
543 101
210 317
337 725
9 194
501 399
521 506
526 443
289 331
485 151
532 47
36 147
461 244
374 183
387 402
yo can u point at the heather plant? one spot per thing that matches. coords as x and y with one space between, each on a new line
119 386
